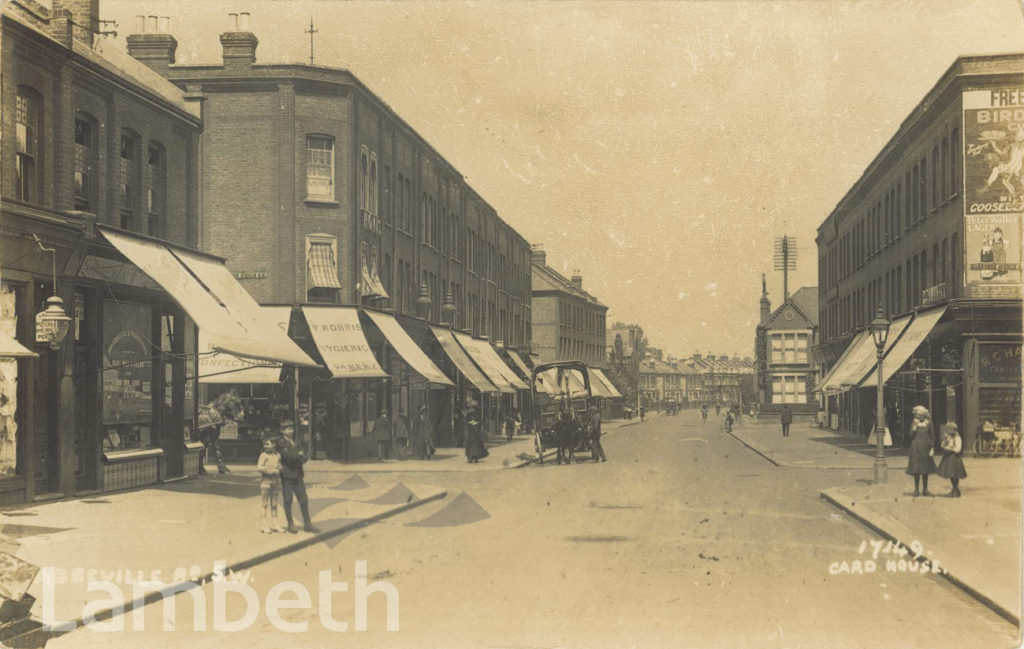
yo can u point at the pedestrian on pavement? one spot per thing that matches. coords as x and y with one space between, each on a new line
920 463
476 448
382 433
951 466
401 433
269 466
786 418
292 477
642 413
210 423
422 435
596 450
718 408
728 420
704 411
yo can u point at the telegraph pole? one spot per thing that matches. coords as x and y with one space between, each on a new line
785 260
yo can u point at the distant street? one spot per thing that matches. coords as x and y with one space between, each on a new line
683 538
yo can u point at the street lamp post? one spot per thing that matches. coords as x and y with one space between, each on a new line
880 332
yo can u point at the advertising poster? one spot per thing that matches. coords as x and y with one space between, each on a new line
993 191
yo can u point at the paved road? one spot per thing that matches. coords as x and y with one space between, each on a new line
684 538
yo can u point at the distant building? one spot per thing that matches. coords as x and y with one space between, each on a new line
568 322
786 372
718 379
661 381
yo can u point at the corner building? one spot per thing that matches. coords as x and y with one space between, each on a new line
932 233
319 194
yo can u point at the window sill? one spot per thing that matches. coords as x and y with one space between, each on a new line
325 202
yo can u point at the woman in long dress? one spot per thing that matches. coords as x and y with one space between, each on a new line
920 463
476 449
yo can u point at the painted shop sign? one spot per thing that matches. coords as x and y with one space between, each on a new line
999 363
250 274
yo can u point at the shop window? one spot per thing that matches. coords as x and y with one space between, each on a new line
320 167
128 188
28 132
156 182
85 162
127 375
954 162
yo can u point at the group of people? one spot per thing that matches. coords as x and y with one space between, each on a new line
565 427
921 461
402 438
281 472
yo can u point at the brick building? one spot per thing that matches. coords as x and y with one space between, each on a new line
99 163
318 193
568 322
931 232
786 372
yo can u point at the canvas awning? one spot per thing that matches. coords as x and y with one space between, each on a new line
463 363
604 381
339 337
213 298
407 348
859 354
219 367
477 350
321 266
905 345
503 368
519 363
597 386
571 381
11 348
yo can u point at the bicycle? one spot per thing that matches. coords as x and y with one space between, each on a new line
998 442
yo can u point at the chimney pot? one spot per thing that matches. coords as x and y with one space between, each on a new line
243 22
234 22
140 24
151 24
164 24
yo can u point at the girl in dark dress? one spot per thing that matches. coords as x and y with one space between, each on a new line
951 466
920 463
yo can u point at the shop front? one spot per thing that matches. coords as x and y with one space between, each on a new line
469 379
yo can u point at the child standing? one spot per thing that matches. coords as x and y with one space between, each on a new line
269 466
952 465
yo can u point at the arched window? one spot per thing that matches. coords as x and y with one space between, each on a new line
85 162
28 127
155 182
364 179
128 181
373 188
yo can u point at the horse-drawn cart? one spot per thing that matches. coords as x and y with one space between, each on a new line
562 399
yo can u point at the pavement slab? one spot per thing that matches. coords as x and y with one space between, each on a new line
976 538
809 446
178 533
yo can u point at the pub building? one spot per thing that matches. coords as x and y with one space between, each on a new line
930 237
322 198
101 281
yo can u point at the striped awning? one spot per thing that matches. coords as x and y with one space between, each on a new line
321 266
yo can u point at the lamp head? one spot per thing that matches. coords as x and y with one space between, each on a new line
880 328
53 323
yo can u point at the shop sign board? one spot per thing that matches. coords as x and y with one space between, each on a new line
993 177
999 363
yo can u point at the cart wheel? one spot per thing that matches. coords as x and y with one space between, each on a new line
983 448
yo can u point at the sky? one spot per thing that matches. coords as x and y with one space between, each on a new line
657 147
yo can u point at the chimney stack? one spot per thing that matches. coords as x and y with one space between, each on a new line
537 254
75 20
239 44
577 279
152 44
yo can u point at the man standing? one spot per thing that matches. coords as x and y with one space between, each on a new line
787 419
382 433
292 474
210 423
597 451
